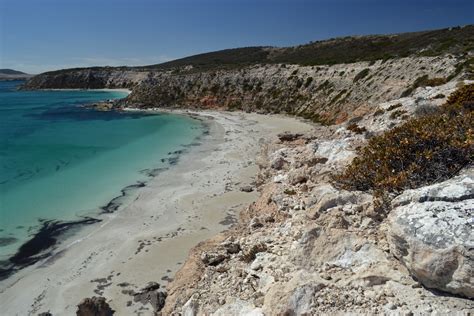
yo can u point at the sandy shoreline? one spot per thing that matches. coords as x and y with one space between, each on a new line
148 238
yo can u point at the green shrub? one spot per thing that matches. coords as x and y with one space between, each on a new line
361 74
422 151
397 114
423 81
338 96
299 83
464 96
315 118
425 109
325 85
353 127
214 88
394 106
435 82
379 112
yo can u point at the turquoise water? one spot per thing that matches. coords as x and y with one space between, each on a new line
60 161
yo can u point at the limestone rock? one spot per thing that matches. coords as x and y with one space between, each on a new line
326 197
238 308
255 223
301 299
191 307
151 294
308 248
294 297
246 188
95 306
231 246
278 163
280 178
335 151
431 234
298 176
213 258
289 137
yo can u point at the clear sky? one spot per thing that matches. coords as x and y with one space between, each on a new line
40 35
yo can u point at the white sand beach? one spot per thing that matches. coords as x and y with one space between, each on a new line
148 238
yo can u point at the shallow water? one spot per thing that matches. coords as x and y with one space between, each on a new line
60 161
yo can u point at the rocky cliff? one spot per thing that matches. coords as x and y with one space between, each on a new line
86 78
324 94
307 247
325 81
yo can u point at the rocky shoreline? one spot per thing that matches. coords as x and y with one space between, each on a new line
295 242
306 247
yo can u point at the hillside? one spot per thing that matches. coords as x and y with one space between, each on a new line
322 81
455 40
10 74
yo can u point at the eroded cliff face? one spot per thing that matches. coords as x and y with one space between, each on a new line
320 93
307 247
327 94
87 78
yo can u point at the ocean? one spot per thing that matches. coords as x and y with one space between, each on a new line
62 164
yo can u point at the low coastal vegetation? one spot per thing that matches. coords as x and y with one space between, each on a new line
362 74
423 81
430 148
353 127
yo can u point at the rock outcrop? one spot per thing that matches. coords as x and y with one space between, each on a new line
151 294
94 306
306 247
431 232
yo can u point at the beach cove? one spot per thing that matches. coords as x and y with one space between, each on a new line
148 236
54 152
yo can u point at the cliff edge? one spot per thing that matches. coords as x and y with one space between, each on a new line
309 247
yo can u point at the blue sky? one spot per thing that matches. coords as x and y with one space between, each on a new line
41 35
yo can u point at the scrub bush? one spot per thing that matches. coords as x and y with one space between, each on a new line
422 151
